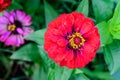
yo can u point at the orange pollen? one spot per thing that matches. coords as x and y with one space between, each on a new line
76 40
11 27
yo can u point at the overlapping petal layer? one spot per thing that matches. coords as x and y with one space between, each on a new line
60 40
14 26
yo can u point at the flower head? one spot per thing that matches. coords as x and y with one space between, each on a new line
72 40
13 27
4 4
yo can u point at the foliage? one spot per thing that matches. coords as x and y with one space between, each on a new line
30 61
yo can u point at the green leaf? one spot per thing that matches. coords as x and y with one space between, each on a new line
33 5
105 35
116 75
50 13
44 57
102 75
37 36
78 77
62 72
108 57
116 19
29 52
102 9
116 1
15 6
39 73
77 71
83 7
70 1
51 74
115 22
112 55
115 31
59 73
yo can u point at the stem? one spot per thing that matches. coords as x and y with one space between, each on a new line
9 71
13 48
5 50
10 68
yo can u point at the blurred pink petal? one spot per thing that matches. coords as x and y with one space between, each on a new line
19 30
27 31
5 36
14 26
3 20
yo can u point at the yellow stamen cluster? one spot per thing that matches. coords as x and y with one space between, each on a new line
72 40
11 27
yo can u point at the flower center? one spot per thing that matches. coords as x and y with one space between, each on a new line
76 40
12 27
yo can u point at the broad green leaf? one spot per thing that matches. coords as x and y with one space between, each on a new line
112 55
102 9
39 73
59 73
116 19
51 74
116 1
5 61
62 72
37 36
50 13
105 35
15 6
44 57
70 1
116 32
115 22
77 71
102 75
29 52
83 7
116 75
33 6
108 57
79 77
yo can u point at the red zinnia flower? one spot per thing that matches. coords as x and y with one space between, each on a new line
4 4
72 40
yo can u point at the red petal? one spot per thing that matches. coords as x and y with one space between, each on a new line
69 55
67 23
79 61
47 44
64 23
93 41
71 64
52 52
55 24
86 26
79 18
62 42
60 55
88 52
63 63
4 4
56 32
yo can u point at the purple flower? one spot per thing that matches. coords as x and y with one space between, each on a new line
14 26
